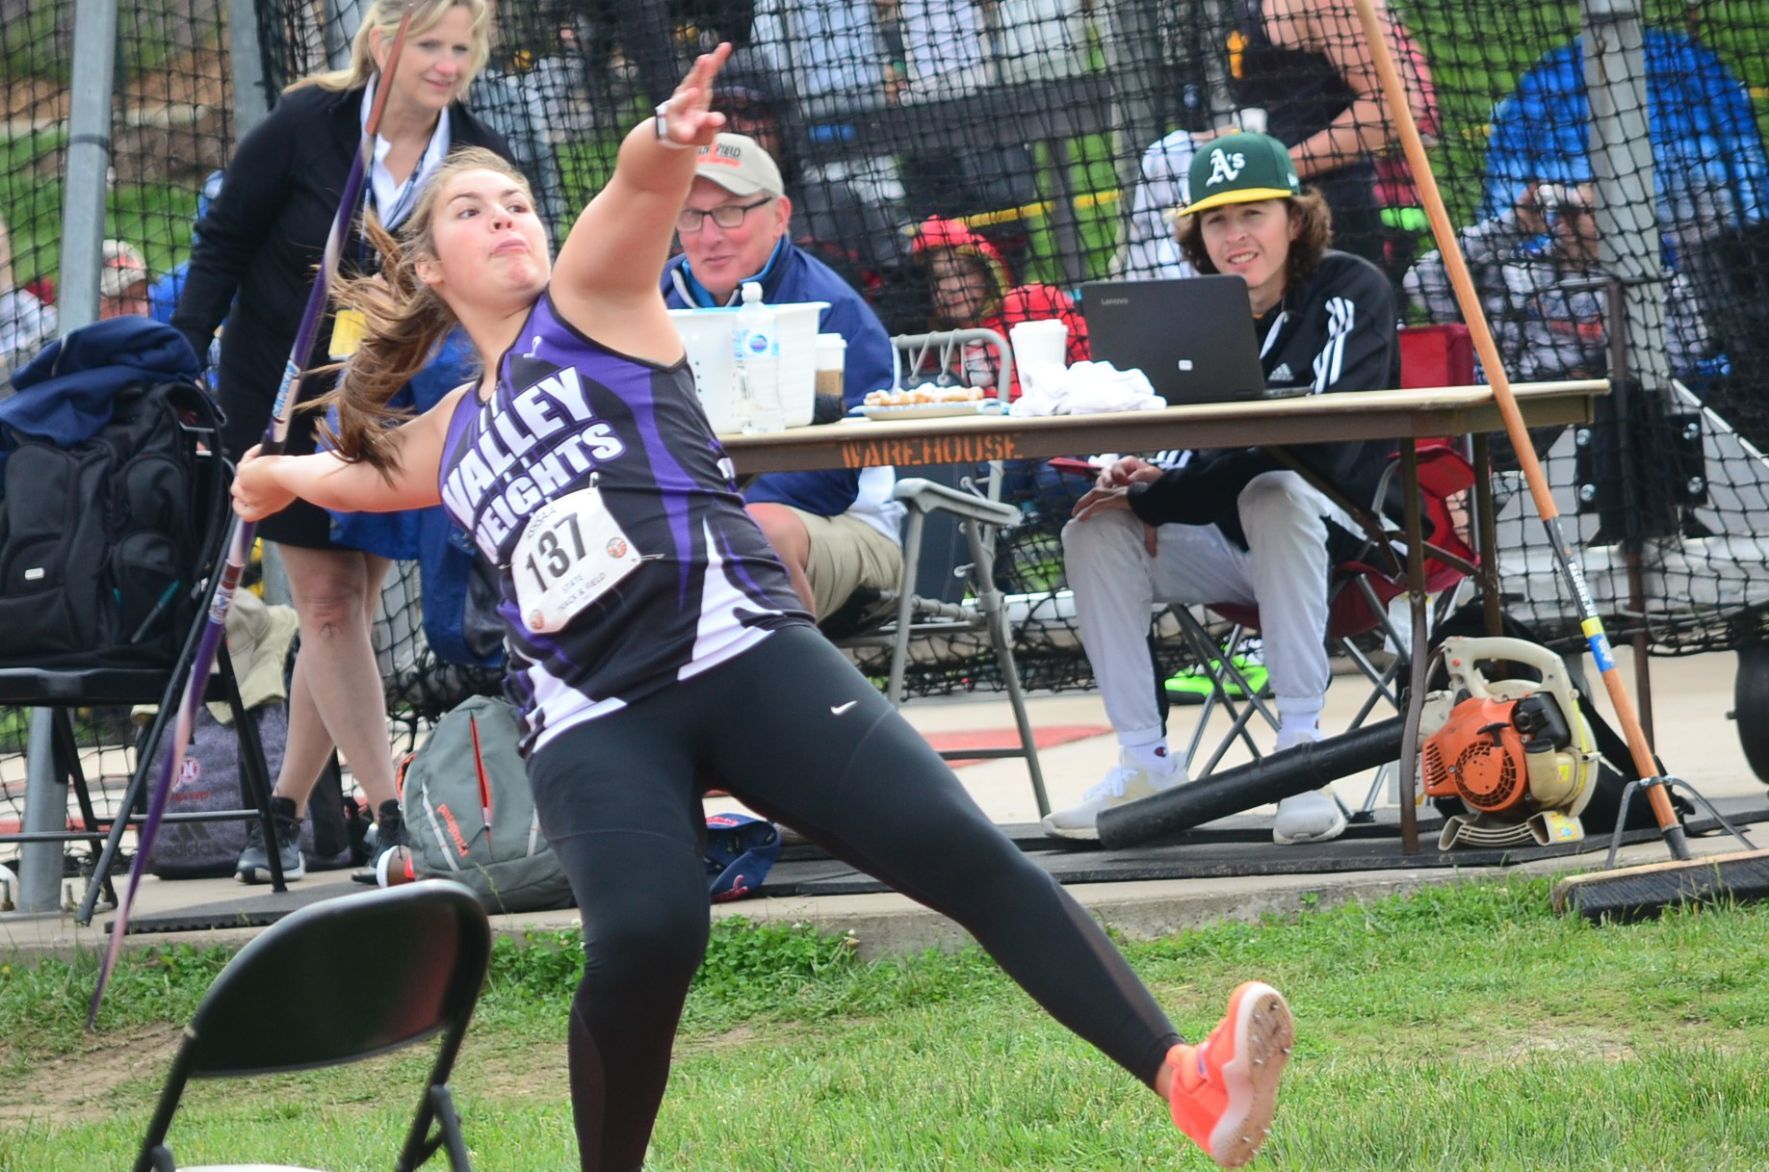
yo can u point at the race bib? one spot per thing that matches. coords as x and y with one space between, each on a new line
571 552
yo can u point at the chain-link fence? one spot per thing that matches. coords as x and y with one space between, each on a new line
1606 170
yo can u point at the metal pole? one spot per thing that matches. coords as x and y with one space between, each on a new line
1133 50
82 239
251 101
343 18
46 809
1629 253
1418 653
1486 543
88 162
1621 167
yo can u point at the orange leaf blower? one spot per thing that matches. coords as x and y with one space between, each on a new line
1516 753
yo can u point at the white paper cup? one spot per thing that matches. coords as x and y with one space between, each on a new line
1040 343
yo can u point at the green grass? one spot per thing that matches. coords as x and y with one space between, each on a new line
1464 1027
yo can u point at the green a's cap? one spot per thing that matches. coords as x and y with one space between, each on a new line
1241 168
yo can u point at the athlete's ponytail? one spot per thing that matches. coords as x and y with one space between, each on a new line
403 320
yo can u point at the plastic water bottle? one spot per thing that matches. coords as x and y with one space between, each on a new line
758 363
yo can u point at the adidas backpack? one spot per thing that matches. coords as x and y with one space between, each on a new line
508 864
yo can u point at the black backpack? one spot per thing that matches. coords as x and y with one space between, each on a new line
100 541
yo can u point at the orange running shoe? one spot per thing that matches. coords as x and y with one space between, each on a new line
1225 1090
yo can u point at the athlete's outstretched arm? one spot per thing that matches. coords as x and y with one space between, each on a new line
606 278
267 484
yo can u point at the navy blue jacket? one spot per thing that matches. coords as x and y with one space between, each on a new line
64 394
793 275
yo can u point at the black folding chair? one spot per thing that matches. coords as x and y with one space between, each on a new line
65 688
289 1001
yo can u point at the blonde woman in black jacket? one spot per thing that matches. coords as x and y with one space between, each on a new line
257 251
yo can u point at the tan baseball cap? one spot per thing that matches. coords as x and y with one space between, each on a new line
738 163
123 269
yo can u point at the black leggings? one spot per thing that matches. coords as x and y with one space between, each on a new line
798 735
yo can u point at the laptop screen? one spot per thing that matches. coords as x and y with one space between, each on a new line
1192 337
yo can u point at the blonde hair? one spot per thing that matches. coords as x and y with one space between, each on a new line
403 320
384 16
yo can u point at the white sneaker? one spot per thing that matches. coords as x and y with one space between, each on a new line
1310 817
1128 781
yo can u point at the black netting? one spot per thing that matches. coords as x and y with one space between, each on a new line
171 124
1055 131
34 42
1058 131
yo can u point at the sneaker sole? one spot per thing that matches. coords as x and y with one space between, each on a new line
1327 835
263 875
1078 833
1264 1034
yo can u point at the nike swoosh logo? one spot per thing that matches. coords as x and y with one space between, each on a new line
838 709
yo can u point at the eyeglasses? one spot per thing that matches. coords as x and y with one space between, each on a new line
728 215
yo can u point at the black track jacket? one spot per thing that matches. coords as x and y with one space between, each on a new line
1334 332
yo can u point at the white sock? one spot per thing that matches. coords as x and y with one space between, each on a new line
1299 719
1290 735
1152 756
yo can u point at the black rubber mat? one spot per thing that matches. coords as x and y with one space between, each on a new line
1239 846
256 907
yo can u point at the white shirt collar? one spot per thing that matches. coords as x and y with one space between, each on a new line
393 201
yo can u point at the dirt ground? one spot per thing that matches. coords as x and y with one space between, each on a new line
80 1087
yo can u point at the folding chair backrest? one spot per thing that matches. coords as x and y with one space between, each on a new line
1436 356
299 997
954 358
947 358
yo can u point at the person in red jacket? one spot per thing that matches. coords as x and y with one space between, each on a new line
972 288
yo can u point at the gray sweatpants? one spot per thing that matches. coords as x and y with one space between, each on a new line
1117 586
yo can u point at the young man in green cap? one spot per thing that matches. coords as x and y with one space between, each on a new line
1233 525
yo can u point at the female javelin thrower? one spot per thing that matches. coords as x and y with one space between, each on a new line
650 626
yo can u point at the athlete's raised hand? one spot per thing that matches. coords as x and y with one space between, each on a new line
686 119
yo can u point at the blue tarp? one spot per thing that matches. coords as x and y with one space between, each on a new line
1708 158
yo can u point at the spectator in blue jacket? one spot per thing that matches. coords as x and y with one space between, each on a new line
163 294
835 531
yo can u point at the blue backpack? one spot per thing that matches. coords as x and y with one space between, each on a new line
740 851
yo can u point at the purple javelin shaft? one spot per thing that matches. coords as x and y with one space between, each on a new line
242 533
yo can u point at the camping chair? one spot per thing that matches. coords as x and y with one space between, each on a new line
919 610
1359 589
289 1002
62 690
1359 593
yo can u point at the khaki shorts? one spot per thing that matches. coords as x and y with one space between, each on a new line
846 554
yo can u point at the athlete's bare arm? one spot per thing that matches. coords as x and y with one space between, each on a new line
267 484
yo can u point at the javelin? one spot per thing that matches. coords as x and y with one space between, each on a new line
242 533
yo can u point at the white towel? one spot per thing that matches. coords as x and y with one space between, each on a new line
1083 389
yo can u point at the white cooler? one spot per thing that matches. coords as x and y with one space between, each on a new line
707 335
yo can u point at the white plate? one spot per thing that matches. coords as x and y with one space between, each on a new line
932 410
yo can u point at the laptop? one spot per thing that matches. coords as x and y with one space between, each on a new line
1192 337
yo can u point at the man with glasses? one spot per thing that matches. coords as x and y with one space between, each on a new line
836 531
